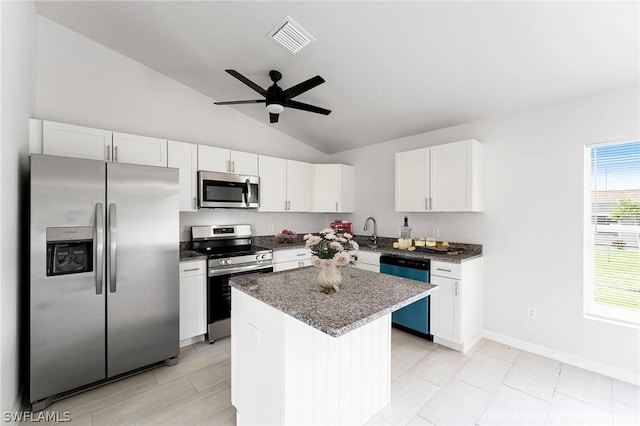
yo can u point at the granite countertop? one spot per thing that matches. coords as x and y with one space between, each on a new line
384 246
363 297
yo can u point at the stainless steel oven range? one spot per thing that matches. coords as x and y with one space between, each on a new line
230 254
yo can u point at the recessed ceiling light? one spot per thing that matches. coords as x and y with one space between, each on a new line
291 36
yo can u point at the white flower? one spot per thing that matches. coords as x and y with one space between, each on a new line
315 261
325 263
342 258
313 240
336 245
327 231
347 235
342 240
355 245
331 236
307 236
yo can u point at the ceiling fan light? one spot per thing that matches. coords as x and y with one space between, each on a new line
275 108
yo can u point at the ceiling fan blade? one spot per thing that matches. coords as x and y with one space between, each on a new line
273 118
248 82
255 101
294 91
306 107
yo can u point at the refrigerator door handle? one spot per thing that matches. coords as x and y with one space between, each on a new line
112 249
99 246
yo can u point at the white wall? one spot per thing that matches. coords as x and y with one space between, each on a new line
531 227
17 86
82 82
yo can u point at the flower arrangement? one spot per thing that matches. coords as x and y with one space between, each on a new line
330 248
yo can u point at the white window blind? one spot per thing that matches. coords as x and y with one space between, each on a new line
612 233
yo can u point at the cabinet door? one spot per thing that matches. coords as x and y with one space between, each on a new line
446 309
214 159
346 189
192 306
412 180
244 163
273 184
451 178
184 156
143 150
299 186
326 188
193 287
67 140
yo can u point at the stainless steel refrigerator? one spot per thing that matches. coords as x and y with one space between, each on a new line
104 295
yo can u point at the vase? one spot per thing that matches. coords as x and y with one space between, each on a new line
330 277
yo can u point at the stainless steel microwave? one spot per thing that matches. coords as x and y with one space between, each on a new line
224 190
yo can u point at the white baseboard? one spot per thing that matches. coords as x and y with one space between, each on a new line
191 340
576 361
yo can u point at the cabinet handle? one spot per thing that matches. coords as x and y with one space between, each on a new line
301 254
426 204
336 206
115 153
289 205
191 269
430 203
233 166
285 205
443 270
108 149
195 203
229 166
457 292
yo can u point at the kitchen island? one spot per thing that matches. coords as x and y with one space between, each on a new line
301 356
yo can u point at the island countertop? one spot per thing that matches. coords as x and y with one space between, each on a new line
363 297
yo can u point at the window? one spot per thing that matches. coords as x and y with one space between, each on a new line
612 233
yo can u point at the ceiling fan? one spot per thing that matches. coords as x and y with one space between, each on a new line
277 99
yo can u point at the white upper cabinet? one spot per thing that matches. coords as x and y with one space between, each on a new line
412 180
299 186
184 156
213 159
285 185
441 178
333 188
67 140
455 176
273 184
134 149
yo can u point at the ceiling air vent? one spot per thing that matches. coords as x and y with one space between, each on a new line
291 36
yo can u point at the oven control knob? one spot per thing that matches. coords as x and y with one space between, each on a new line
222 262
260 257
229 262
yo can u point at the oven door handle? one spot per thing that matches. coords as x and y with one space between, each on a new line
248 193
213 272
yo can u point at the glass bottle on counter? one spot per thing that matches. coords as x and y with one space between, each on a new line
404 241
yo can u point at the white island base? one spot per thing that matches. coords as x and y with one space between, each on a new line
285 372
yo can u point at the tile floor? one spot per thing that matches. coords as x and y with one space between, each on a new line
432 385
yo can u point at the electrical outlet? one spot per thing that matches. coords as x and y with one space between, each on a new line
272 228
531 312
436 233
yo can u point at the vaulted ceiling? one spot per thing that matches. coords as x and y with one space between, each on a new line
392 69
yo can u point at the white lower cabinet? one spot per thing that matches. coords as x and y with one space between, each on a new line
287 259
193 299
456 308
368 260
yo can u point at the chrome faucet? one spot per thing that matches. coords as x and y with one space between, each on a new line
374 236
